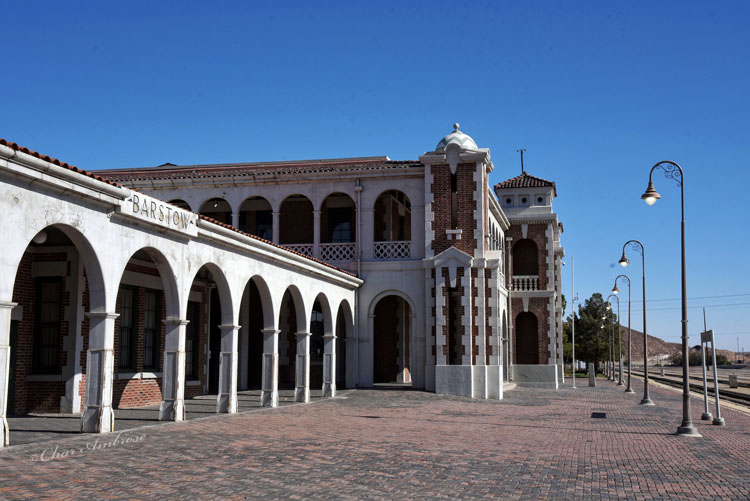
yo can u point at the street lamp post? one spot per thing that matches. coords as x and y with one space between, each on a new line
673 171
611 362
638 247
615 290
618 354
573 317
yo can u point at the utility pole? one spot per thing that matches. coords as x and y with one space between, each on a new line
521 152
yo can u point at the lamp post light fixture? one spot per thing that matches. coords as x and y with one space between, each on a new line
673 171
615 290
624 261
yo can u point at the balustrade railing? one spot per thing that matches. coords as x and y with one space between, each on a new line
525 282
306 249
398 249
338 252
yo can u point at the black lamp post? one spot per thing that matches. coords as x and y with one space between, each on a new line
673 171
617 359
638 247
615 290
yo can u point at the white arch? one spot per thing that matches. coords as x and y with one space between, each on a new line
94 272
325 305
266 301
167 276
300 311
392 292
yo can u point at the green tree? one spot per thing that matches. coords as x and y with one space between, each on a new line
592 322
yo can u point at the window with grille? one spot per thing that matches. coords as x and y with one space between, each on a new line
340 224
264 224
128 326
151 330
46 355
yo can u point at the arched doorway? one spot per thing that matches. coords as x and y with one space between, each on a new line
344 326
392 226
296 225
256 217
145 297
337 229
527 339
58 280
391 341
252 323
288 327
218 209
178 202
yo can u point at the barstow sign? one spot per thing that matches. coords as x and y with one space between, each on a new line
154 211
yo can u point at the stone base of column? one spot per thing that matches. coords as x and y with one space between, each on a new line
329 390
225 404
172 410
301 390
4 433
97 420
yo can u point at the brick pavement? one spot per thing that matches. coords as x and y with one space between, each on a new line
387 444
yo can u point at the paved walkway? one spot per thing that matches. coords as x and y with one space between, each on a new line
49 427
388 444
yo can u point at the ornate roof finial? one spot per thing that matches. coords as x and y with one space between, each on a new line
455 127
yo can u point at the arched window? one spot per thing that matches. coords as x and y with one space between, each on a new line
525 258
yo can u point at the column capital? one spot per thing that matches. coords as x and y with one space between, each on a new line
270 332
228 327
302 334
8 304
329 336
101 315
175 321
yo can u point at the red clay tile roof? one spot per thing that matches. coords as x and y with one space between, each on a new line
57 162
254 237
98 178
525 180
255 169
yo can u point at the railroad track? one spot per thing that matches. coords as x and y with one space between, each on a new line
725 394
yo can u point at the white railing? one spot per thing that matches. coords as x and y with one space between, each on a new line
337 252
399 249
306 249
525 282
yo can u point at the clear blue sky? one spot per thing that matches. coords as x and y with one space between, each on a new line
596 91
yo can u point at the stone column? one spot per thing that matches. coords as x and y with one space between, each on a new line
269 395
275 226
5 312
173 387
316 234
329 365
302 368
98 416
366 234
226 400
236 220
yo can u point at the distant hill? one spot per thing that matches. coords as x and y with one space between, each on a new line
658 349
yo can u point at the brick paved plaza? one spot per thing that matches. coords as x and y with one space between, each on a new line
389 444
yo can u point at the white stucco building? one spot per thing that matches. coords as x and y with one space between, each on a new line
148 285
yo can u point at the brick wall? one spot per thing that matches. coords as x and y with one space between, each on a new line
539 306
441 207
296 222
537 234
36 396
